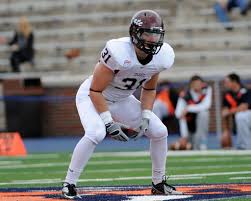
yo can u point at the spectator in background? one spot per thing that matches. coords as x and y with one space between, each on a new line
237 102
165 102
193 113
223 7
21 45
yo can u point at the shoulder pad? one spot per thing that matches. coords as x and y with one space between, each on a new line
120 51
166 56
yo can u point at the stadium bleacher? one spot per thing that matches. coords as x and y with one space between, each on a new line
191 29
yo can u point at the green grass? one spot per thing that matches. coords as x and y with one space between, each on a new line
203 169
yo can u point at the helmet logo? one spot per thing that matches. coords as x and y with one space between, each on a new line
138 22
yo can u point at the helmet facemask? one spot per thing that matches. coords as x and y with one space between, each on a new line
149 40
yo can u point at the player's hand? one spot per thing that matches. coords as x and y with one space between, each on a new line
142 128
114 130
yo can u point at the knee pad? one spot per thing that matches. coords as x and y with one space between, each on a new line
96 135
160 132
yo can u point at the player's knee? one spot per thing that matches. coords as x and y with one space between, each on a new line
97 135
160 132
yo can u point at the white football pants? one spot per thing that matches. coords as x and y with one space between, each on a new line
127 112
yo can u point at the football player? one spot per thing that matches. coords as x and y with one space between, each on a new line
105 99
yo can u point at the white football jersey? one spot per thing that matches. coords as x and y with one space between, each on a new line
119 55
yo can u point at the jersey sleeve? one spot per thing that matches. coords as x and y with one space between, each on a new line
108 59
171 55
166 57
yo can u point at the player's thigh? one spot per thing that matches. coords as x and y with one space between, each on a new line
127 112
90 119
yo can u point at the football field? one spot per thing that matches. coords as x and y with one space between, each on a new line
209 175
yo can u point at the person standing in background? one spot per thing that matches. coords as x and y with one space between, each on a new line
193 113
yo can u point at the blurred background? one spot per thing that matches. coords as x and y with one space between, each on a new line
210 38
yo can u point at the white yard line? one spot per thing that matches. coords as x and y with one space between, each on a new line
38 165
113 162
120 154
142 153
158 197
134 169
184 178
218 159
210 167
10 162
57 180
239 178
178 153
86 171
138 178
33 156
35 181
42 156
218 173
173 177
58 164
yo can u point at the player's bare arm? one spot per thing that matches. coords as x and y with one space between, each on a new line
148 93
102 76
